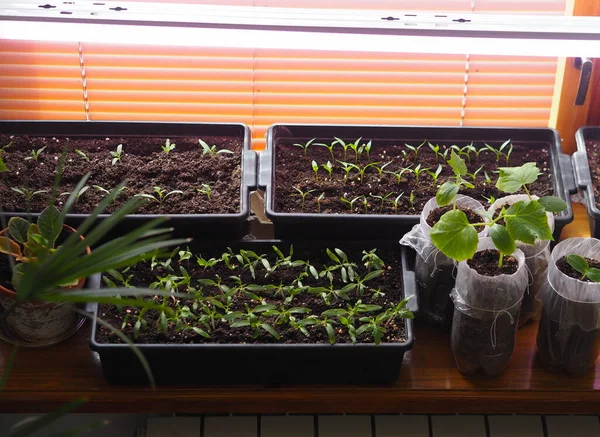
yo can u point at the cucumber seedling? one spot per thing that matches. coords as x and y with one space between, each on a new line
581 265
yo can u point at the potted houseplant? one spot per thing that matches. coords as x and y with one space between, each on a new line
283 310
492 277
569 332
375 180
43 264
197 174
586 162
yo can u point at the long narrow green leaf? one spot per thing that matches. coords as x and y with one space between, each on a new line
8 367
43 421
73 196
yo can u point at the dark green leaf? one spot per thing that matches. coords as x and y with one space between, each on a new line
502 239
332 255
578 263
330 333
240 324
512 179
270 330
446 193
526 221
594 274
50 223
334 312
372 275
553 203
458 164
454 236
18 228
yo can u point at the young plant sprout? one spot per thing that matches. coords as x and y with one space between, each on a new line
328 168
303 194
347 146
581 265
348 202
83 155
417 171
488 180
319 200
380 168
447 192
368 149
315 169
365 203
396 201
372 261
161 195
473 175
77 195
435 148
524 221
168 146
357 149
500 151
212 150
328 147
382 199
35 154
490 199
116 155
6 146
27 193
411 198
305 146
435 174
416 149
347 167
205 189
400 173
362 169
105 191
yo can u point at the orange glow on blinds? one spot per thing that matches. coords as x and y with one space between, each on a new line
264 86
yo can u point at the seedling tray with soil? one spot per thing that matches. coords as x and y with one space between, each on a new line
364 182
266 312
586 162
202 188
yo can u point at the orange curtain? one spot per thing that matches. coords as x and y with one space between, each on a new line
43 80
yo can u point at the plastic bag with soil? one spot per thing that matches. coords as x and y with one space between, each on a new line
569 332
536 259
434 270
486 310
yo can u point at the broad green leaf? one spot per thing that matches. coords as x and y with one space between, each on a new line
526 221
594 274
458 164
446 193
512 179
50 223
502 239
578 263
553 203
17 228
454 236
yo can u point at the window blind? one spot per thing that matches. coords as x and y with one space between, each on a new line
46 80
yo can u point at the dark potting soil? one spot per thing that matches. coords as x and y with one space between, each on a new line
593 153
5 272
142 167
485 262
563 266
294 170
436 215
390 283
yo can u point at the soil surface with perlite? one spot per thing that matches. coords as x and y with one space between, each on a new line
593 153
384 291
379 187
143 166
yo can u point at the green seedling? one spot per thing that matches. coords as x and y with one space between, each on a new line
78 194
327 167
490 199
305 146
3 148
349 202
435 148
357 149
416 149
473 175
328 147
118 277
347 317
303 195
368 149
83 155
382 199
35 154
212 150
315 169
435 174
365 203
505 150
285 315
205 189
363 168
117 154
399 174
447 192
488 180
105 191
411 199
342 263
347 146
371 260
581 265
161 195
168 146
251 319
319 201
524 221
398 311
380 168
206 263
396 201
417 171
27 193
348 167
372 326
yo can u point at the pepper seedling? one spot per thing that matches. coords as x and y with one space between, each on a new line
161 195
79 194
35 154
416 149
315 169
205 189
328 147
327 167
581 265
116 155
305 146
168 146
83 155
499 152
27 193
525 221
303 194
212 150
435 148
396 201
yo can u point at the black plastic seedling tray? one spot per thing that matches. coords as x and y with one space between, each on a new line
206 226
265 363
381 226
584 178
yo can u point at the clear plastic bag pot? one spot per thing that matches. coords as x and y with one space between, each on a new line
486 310
569 332
536 259
434 270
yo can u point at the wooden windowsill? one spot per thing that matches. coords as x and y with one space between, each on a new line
429 383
